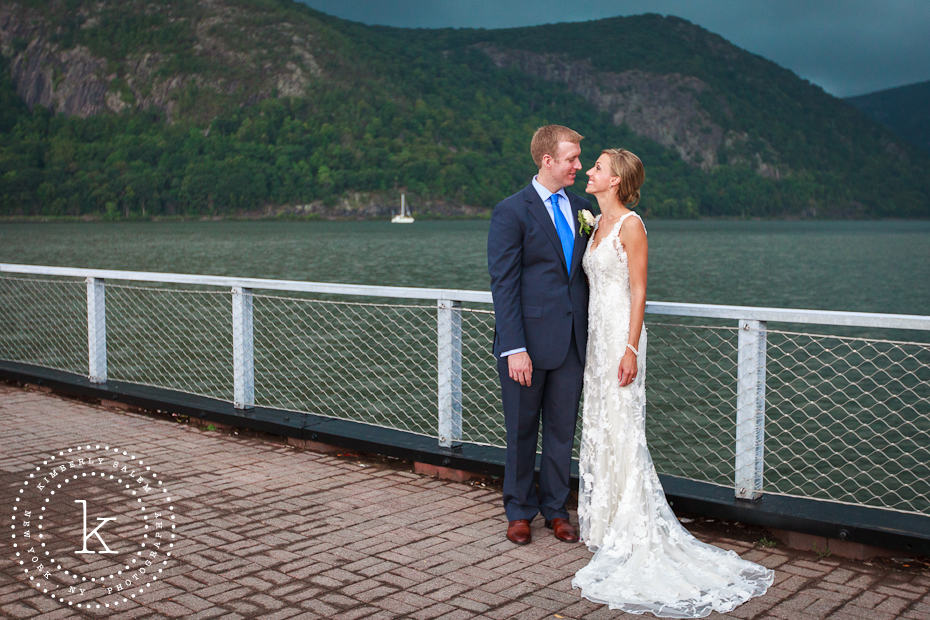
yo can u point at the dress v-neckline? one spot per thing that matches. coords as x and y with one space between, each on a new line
605 237
612 231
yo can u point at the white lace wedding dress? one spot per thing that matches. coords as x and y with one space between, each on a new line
644 560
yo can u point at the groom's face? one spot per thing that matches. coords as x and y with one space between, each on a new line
566 163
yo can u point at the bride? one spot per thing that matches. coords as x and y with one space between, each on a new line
644 560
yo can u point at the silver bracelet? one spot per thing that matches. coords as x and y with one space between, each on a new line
633 349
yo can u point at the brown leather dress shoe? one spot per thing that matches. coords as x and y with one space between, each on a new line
518 532
563 530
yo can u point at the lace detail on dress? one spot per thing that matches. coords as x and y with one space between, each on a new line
644 560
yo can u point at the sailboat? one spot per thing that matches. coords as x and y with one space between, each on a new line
404 216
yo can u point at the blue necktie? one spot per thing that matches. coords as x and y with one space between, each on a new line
564 230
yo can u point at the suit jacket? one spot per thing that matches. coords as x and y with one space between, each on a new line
538 304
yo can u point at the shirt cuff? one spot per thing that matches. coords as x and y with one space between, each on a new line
512 351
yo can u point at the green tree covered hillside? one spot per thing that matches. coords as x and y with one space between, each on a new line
905 110
133 108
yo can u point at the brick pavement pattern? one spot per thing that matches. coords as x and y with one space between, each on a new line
267 530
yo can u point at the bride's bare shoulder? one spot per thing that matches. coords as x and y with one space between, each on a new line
632 227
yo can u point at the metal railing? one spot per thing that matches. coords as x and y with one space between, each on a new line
731 400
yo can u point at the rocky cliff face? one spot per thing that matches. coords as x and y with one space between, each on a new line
73 80
663 107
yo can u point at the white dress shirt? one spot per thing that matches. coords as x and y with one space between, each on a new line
564 205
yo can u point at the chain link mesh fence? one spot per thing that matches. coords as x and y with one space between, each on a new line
170 337
691 399
43 321
482 415
847 418
368 362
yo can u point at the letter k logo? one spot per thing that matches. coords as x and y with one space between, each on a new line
95 531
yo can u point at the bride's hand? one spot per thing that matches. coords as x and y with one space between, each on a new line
628 369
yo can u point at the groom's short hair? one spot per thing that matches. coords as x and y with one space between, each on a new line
547 138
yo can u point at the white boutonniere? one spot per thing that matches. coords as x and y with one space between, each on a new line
586 221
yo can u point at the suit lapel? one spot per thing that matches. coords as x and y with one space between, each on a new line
538 209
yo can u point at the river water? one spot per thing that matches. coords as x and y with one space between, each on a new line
867 266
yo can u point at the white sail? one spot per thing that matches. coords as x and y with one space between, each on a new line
404 216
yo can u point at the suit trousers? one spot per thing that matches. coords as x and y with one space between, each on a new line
552 399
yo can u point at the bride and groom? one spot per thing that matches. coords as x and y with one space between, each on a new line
569 301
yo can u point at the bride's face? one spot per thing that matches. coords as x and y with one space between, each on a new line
599 177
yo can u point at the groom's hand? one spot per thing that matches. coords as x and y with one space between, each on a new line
521 368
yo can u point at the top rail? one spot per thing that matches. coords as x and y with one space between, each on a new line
400 292
716 311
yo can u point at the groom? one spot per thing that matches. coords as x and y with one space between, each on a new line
541 314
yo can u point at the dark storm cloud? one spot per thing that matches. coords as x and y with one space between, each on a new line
848 47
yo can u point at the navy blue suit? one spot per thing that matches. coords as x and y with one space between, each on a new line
542 306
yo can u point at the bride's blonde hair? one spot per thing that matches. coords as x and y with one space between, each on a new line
629 168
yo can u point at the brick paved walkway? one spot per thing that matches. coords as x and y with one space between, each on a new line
267 530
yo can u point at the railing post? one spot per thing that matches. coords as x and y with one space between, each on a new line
96 330
750 409
243 352
449 368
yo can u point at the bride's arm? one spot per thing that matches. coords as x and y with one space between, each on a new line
633 237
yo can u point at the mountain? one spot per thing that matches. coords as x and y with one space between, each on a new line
905 110
217 107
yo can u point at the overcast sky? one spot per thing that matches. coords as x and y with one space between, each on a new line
848 47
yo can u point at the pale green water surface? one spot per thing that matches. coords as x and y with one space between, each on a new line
863 266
